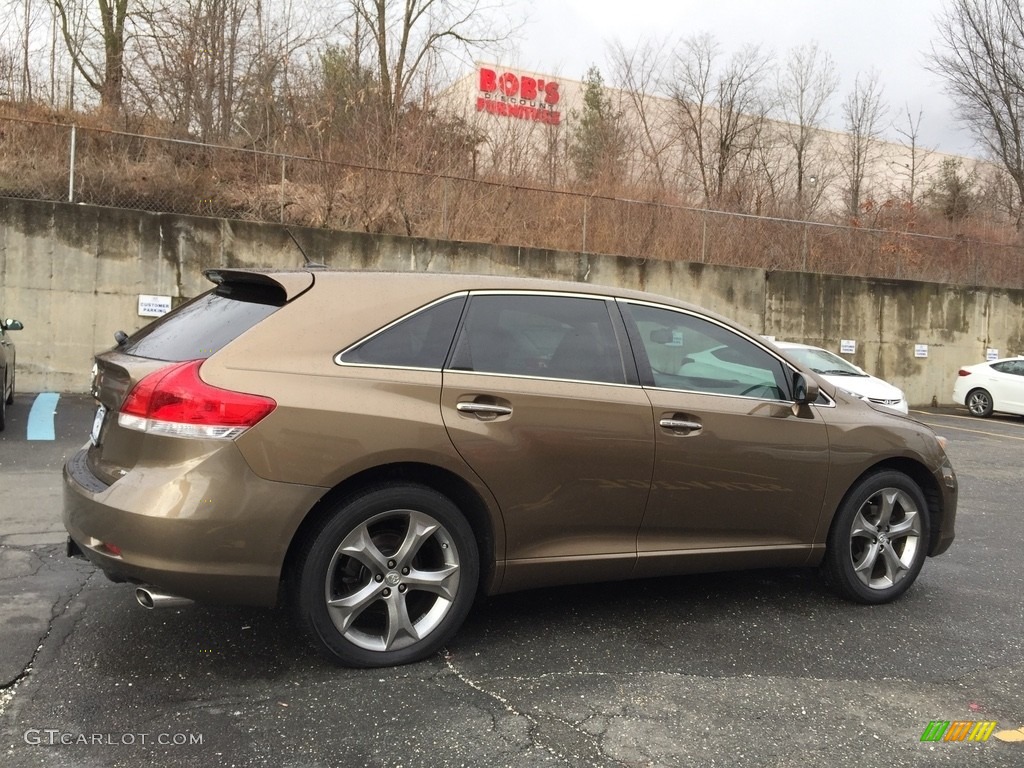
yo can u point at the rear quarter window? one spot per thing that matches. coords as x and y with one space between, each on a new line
206 324
419 340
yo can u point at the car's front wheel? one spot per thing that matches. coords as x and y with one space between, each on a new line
4 401
879 538
979 403
388 578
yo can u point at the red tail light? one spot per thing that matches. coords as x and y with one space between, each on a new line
175 401
963 372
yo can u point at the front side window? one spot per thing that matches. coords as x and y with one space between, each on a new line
690 353
559 337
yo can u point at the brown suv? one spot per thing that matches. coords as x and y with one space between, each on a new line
380 448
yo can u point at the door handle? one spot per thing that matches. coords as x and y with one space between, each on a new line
680 425
484 409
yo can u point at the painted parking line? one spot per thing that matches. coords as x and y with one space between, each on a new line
40 418
938 427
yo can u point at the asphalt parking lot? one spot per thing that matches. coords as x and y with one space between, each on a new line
757 668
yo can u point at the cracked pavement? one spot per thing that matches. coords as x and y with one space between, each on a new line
759 668
36 581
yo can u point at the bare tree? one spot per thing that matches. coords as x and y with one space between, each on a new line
8 65
917 157
863 112
189 68
26 71
807 81
720 110
638 72
215 68
6 74
403 39
190 62
106 77
18 22
981 56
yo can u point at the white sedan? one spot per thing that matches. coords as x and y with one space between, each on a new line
845 375
993 386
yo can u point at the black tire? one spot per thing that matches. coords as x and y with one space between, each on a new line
979 403
10 395
406 559
879 538
3 410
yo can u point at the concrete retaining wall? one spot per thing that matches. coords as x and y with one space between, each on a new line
73 274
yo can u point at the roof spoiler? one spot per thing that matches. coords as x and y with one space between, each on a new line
291 283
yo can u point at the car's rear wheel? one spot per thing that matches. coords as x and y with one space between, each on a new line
979 402
389 577
879 538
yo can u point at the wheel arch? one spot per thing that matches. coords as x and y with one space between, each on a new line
445 482
925 480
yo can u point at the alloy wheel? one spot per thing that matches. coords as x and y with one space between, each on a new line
885 537
392 580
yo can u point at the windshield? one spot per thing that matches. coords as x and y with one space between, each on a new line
823 362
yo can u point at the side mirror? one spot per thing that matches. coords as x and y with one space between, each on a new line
10 324
805 390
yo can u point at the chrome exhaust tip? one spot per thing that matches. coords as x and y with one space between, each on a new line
151 598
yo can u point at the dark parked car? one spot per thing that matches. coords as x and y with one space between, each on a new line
7 359
381 448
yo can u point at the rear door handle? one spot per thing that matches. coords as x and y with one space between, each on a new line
484 409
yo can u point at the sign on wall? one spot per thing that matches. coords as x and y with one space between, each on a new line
518 96
153 306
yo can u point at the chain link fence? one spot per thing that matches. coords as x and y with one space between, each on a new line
63 162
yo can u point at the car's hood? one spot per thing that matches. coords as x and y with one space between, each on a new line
865 386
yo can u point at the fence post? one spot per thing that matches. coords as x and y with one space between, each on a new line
283 161
803 248
71 164
704 237
584 249
444 209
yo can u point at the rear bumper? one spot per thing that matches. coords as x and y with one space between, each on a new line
207 529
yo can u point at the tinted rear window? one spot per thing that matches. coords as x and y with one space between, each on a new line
206 324
421 340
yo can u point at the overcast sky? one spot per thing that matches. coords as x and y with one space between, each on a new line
565 37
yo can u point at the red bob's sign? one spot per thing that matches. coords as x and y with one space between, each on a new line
518 96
